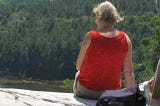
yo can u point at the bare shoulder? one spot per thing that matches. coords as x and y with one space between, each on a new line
86 40
128 40
87 35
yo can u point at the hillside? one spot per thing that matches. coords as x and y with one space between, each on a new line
41 38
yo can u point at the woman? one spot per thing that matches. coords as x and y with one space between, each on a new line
104 52
152 101
153 86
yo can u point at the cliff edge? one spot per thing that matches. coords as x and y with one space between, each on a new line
22 97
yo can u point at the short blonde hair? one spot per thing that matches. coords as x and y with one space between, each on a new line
107 12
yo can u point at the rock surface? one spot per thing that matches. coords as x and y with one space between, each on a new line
21 97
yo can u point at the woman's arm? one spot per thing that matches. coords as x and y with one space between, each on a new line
128 66
150 86
85 44
154 87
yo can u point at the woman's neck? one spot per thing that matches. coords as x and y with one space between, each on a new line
108 27
108 31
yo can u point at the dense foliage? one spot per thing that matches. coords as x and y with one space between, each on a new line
41 38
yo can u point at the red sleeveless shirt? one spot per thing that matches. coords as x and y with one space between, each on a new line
103 62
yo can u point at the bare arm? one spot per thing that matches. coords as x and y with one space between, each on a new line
128 66
85 44
150 86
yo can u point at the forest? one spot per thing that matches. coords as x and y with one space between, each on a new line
41 39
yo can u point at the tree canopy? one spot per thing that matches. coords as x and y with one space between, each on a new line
41 38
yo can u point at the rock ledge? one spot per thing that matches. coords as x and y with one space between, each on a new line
21 97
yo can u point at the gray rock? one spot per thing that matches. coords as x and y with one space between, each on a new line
21 97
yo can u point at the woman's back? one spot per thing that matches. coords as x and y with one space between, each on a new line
103 54
103 61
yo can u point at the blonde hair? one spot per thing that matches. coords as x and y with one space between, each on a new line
107 12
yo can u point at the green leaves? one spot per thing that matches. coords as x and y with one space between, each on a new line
68 85
42 38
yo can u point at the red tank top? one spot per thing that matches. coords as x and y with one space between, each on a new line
103 62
